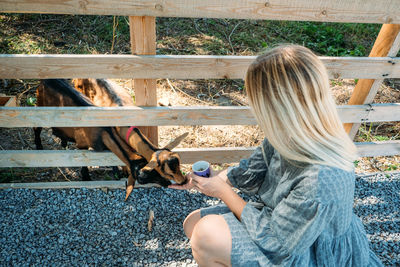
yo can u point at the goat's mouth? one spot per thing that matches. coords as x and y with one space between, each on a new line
184 182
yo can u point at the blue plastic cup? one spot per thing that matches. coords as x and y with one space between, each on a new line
201 168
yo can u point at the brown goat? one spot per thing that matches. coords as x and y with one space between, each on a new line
60 93
107 94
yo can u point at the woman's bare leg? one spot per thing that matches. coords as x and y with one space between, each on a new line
190 221
211 241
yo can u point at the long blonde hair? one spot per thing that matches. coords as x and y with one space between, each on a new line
289 93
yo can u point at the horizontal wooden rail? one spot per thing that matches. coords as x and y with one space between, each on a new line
117 116
174 66
77 158
163 116
376 149
364 11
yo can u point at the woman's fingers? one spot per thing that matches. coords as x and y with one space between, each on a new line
185 186
194 177
176 186
194 181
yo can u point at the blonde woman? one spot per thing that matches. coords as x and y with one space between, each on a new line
303 174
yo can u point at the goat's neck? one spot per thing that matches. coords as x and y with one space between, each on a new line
138 142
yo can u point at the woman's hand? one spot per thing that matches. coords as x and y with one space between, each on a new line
217 186
212 186
186 186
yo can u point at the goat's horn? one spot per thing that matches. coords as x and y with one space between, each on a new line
176 141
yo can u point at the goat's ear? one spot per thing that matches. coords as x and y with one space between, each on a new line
176 141
150 165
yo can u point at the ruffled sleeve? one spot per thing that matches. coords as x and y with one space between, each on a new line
291 228
250 173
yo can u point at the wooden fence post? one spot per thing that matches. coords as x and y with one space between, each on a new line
143 42
366 89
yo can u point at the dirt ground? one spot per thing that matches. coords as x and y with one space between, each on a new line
185 93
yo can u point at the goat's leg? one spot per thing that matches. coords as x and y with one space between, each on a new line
136 165
125 171
122 150
85 174
60 134
129 186
64 142
38 141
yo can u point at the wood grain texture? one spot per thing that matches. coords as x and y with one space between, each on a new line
8 101
363 11
142 35
381 48
143 42
163 116
123 116
77 158
174 67
386 44
375 149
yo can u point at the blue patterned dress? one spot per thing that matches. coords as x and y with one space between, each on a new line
305 217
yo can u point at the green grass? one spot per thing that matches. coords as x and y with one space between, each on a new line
6 176
392 167
356 162
251 37
31 33
11 175
372 132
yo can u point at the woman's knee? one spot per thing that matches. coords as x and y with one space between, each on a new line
211 233
190 222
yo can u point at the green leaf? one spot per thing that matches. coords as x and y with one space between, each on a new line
31 101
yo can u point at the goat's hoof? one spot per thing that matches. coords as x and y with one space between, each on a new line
128 192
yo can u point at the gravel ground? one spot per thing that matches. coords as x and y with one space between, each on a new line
95 227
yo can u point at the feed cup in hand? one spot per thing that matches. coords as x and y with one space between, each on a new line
201 168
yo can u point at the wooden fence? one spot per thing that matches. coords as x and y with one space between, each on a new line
145 67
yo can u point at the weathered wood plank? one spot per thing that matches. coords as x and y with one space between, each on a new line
386 44
174 66
363 11
214 155
77 158
163 116
370 112
8 101
123 116
375 149
143 42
